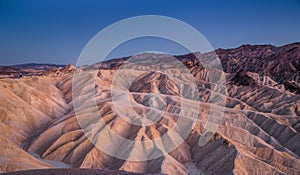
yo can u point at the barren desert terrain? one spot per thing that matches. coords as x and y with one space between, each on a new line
258 133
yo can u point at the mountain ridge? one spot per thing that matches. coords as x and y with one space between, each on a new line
259 132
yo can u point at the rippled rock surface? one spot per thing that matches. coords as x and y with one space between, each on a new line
258 133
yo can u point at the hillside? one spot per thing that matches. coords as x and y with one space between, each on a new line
50 119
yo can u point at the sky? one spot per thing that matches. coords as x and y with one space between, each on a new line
56 31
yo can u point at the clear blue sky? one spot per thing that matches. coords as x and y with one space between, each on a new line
56 31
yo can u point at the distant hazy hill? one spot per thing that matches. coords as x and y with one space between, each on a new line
37 66
27 69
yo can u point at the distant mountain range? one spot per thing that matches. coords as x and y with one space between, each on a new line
26 69
33 66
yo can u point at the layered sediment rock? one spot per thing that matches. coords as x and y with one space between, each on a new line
258 133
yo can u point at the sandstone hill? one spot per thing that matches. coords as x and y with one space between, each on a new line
259 132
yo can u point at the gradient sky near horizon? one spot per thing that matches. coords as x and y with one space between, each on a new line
56 31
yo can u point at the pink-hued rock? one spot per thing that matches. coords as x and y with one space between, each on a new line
258 133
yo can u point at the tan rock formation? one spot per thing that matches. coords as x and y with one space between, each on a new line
258 134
